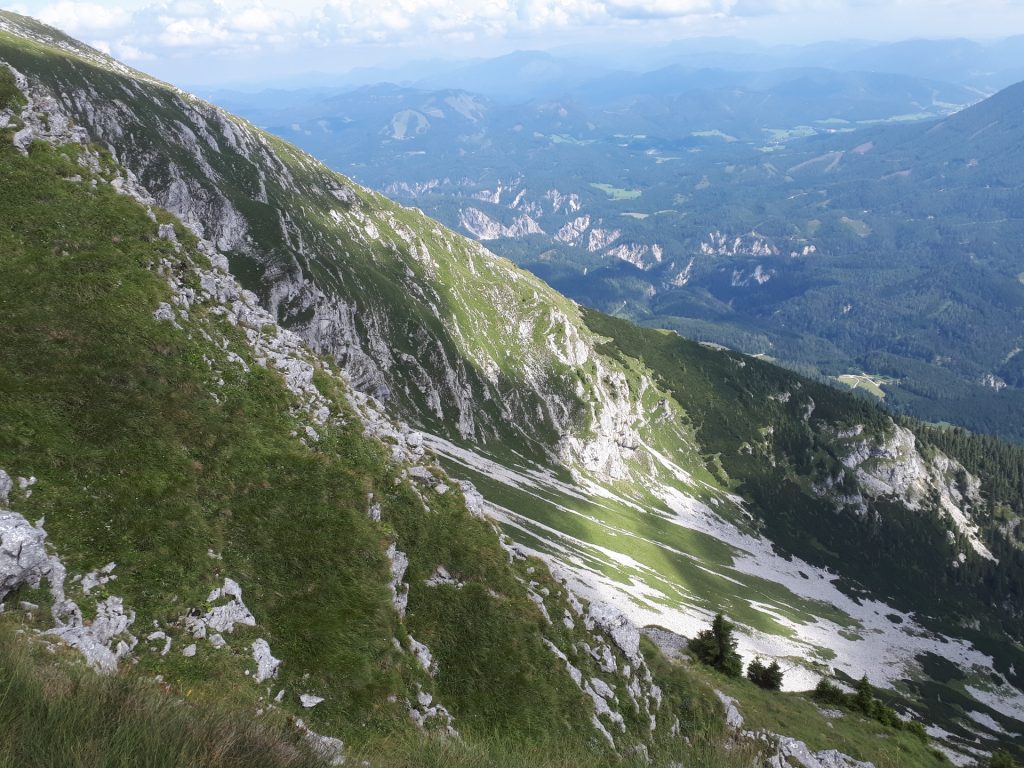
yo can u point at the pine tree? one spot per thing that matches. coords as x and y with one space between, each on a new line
864 697
716 647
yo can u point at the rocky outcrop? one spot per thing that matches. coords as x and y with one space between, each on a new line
639 255
751 244
266 664
573 232
399 589
894 467
613 440
567 203
23 557
105 639
601 238
790 753
24 562
757 276
483 227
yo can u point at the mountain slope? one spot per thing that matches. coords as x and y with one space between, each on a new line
587 450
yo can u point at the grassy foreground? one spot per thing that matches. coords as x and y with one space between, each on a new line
55 714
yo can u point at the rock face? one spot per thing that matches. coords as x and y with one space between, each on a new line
23 557
751 244
601 238
639 255
895 468
621 630
483 227
573 232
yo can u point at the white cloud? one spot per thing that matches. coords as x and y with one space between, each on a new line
197 23
664 9
130 53
192 32
78 18
254 20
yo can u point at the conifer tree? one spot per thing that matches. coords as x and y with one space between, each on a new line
716 647
768 677
864 697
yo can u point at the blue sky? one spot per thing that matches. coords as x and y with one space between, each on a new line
206 42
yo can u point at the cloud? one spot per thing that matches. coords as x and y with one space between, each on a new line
192 32
78 18
230 23
128 52
256 20
664 9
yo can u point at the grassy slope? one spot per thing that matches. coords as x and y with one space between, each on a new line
140 465
796 715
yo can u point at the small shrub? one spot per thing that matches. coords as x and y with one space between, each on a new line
827 692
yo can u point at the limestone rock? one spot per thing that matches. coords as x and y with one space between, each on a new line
164 312
327 748
159 635
93 641
98 578
474 499
309 701
733 718
266 664
792 752
399 591
622 631
223 618
23 558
